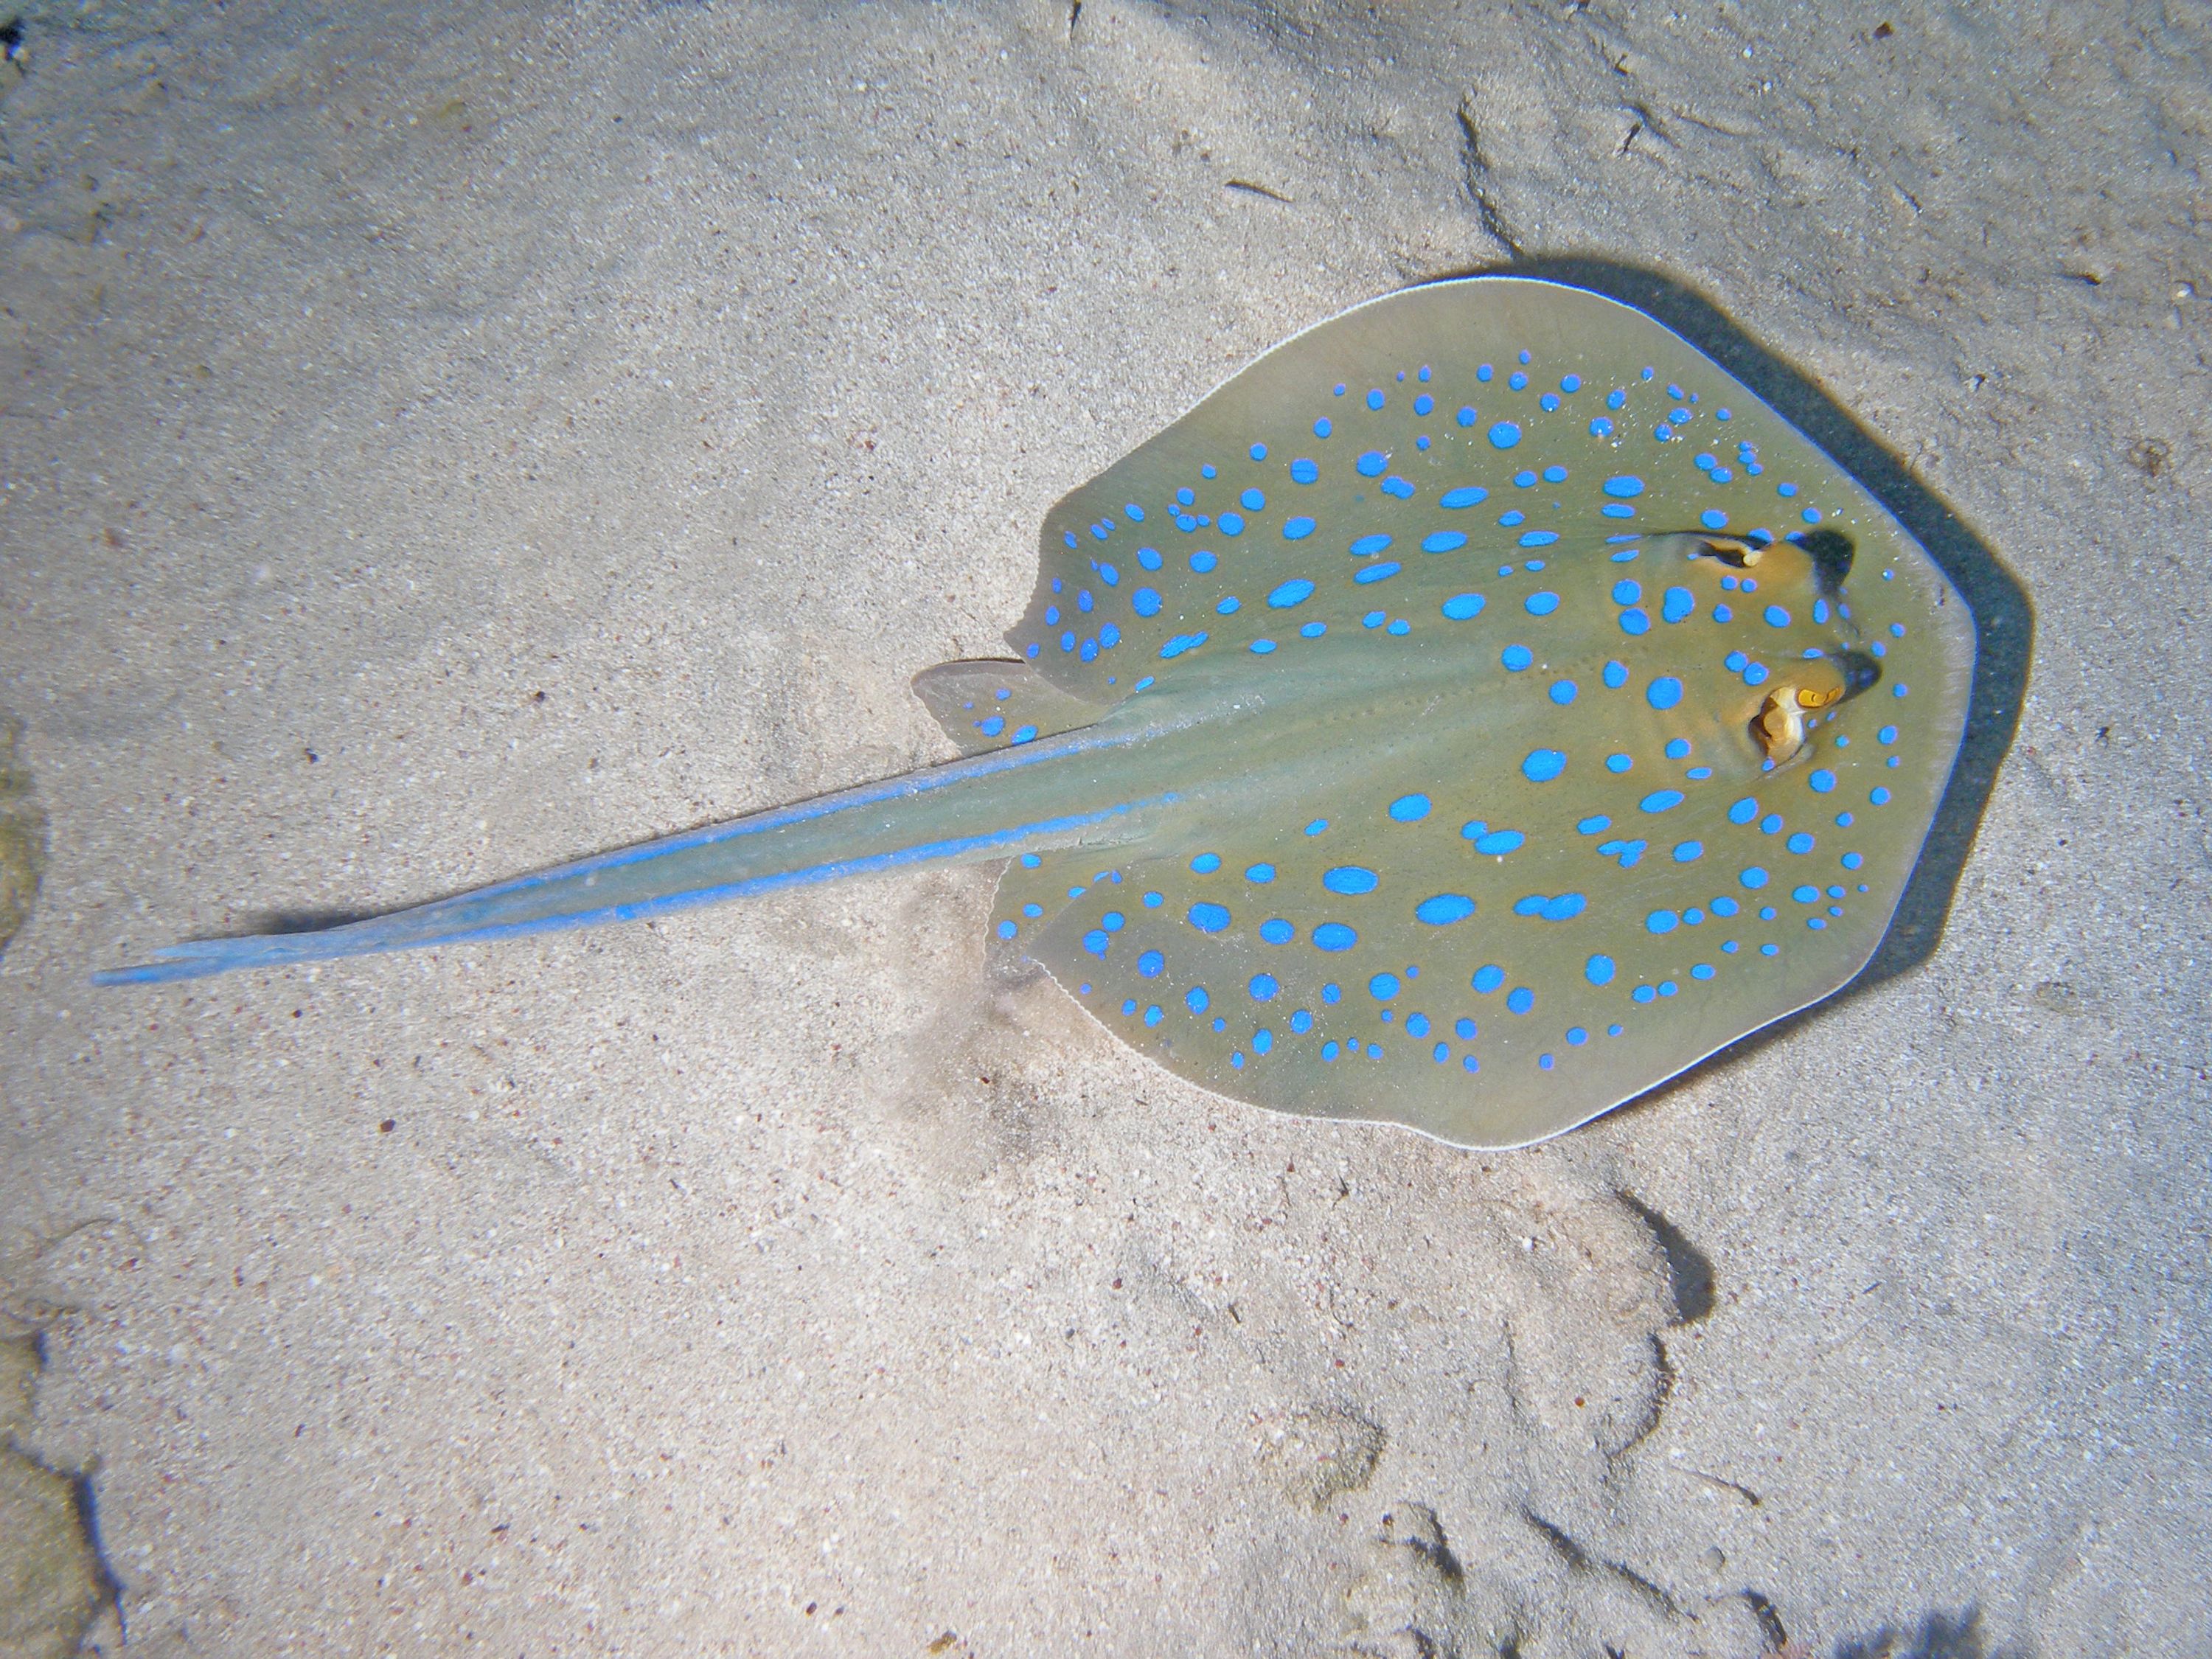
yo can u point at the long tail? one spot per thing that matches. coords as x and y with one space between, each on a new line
1053 793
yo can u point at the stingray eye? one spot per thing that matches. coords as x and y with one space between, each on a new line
1731 551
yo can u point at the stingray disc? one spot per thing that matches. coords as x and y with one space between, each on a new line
1688 696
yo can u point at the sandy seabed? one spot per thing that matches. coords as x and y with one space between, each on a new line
438 442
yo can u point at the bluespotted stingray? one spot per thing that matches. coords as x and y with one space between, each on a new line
1476 712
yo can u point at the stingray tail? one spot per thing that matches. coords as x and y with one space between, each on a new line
972 810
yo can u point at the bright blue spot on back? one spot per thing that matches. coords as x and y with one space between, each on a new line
1776 617
1617 762
1680 604
1149 964
1209 918
1712 518
1207 863
1800 842
1599 970
1662 801
1181 643
1516 657
1370 464
1460 607
1564 692
1663 692
1488 978
1348 878
1297 591
1627 487
1627 592
1383 987
1378 573
1263 987
1304 471
1520 999
1593 826
1744 810
1465 496
1543 765
1539 604
1444 908
1662 921
1399 488
1505 435
1276 931
1442 541
1195 999
1229 606
1754 878
1410 809
1334 936
1367 545
1024 734
1689 851
1262 873
1374 400
1822 780
1495 843
1296 530
1635 622
1145 602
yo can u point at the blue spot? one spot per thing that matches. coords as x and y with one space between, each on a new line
1488 978
1494 843
1374 400
1263 987
1663 692
1616 674
1207 863
1539 538
1383 987
1461 606
1443 909
1334 936
1801 842
1370 464
1399 488
1822 781
1520 999
1209 918
1744 810
1096 942
1304 471
1879 797
1618 763
1564 692
1024 734
1677 748
1465 1029
1258 453
1442 541
1662 921
1410 809
1149 557
1368 545
1276 931
1302 1022
1770 823
1806 895
1202 560
992 726
1262 1040
1296 530
1150 964
1195 999
1754 878
1516 657
1229 606
1776 617
1679 604
1594 826
1626 487
1539 604
1297 591
1378 573
1689 851
1181 643
1543 765
1662 801
1627 592
1007 930
1154 1014
1599 970
1145 602
1110 636
1635 622
1505 435
1232 523
1348 878
1316 826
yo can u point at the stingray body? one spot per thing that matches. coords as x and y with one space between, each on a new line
1474 713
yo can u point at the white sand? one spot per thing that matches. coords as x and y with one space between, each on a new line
769 1281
